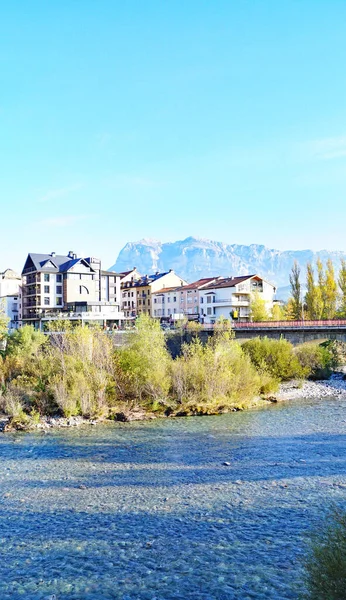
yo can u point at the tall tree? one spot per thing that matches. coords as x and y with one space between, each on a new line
320 290
342 286
296 304
329 292
310 296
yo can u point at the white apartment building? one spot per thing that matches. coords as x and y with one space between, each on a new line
230 298
171 304
10 286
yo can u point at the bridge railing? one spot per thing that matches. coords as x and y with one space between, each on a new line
291 324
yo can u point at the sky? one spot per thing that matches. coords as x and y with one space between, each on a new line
163 119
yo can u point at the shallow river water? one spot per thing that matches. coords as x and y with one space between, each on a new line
148 510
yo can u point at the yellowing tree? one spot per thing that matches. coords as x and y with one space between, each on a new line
258 309
342 286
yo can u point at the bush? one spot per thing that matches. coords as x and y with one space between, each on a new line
325 566
142 367
215 377
275 357
315 360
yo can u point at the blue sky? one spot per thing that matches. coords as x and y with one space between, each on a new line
220 119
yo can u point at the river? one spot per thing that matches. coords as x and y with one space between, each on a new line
148 510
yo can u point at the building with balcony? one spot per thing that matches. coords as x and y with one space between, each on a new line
137 296
58 286
230 298
128 294
10 286
182 302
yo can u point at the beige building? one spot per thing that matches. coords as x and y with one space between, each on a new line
139 294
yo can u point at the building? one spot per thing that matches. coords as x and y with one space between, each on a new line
128 295
138 294
58 286
182 302
10 284
230 298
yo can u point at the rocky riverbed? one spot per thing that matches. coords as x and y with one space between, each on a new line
294 390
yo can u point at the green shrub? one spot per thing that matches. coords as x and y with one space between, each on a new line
316 361
325 566
214 377
275 357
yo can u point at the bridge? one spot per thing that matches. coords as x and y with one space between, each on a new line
296 332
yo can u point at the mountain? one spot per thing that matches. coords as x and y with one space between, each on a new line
193 258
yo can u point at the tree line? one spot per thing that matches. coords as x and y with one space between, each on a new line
325 296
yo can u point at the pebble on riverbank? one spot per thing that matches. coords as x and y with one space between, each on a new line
335 386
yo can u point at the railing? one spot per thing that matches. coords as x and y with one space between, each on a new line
327 324
291 324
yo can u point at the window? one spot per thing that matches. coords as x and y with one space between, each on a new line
59 289
46 301
154 300
168 299
59 278
83 289
59 301
195 298
140 302
174 298
202 300
209 310
46 289
208 299
46 277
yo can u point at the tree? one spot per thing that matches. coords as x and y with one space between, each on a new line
342 286
329 292
3 321
277 313
313 297
296 304
258 309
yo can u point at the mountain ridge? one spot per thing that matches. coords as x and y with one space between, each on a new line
195 257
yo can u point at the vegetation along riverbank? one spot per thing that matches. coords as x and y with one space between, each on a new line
77 375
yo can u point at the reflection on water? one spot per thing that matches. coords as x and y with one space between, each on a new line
149 510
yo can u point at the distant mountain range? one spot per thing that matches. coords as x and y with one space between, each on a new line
193 258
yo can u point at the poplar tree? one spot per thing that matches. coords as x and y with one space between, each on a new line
296 303
329 292
320 288
342 286
310 296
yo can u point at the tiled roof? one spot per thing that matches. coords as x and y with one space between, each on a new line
199 283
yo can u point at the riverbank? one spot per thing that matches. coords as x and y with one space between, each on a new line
335 386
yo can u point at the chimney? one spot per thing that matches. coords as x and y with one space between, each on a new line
70 254
52 254
74 255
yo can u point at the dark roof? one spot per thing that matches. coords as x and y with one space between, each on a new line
199 283
148 279
229 281
111 273
60 263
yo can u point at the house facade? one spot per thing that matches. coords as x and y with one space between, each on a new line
140 293
171 304
230 298
10 291
58 286
128 294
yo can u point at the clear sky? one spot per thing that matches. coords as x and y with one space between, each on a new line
223 119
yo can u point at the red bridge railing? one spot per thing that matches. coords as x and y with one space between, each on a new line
290 324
